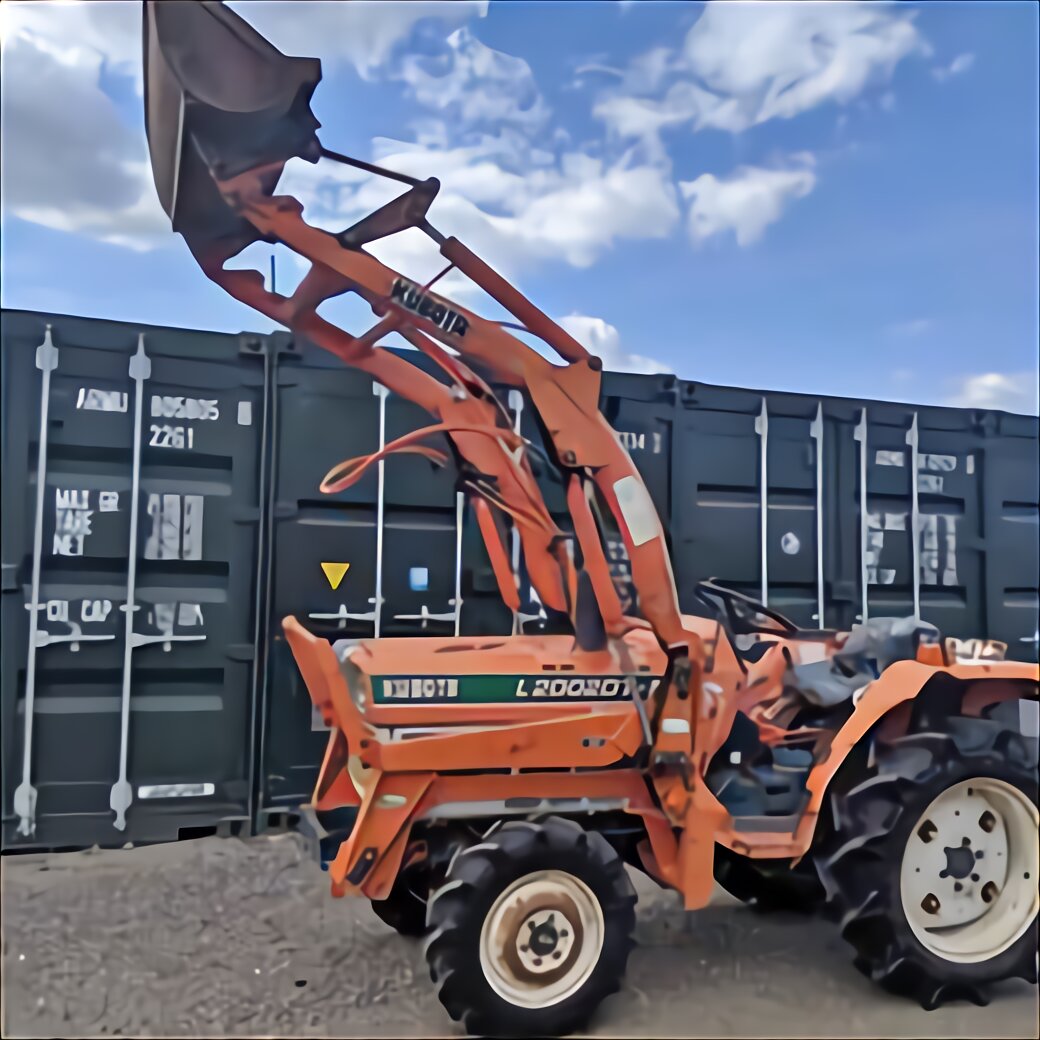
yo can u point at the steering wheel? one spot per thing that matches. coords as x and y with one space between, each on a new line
744 616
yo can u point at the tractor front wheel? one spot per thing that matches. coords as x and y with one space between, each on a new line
531 929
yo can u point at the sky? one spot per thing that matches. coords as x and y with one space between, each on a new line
829 198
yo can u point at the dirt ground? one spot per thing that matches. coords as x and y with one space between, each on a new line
216 938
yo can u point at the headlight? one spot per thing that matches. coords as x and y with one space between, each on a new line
353 675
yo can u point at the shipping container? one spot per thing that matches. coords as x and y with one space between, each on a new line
807 503
133 460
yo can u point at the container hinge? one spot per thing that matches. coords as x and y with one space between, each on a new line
251 345
279 343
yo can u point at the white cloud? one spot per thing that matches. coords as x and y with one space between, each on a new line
603 339
75 34
70 162
519 194
642 119
910 329
744 64
570 210
747 202
365 34
1009 392
476 85
959 65
643 74
518 204
587 205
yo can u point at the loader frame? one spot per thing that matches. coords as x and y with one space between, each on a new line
644 755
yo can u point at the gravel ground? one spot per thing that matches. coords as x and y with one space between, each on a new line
217 938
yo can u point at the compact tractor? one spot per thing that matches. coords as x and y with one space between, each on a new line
491 794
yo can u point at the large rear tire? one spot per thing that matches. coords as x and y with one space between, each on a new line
932 866
531 930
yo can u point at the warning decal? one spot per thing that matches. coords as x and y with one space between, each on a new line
334 572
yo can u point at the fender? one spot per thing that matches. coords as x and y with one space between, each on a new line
901 682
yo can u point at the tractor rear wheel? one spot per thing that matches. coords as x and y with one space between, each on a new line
933 862
531 929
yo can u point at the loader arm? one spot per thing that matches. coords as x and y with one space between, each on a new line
225 111
223 118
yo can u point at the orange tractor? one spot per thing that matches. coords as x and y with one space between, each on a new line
489 792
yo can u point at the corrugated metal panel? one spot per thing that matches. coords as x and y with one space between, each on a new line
711 456
181 674
965 480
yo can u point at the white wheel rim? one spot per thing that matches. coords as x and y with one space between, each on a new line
542 939
968 879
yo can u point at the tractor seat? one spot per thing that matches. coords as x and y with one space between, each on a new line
867 651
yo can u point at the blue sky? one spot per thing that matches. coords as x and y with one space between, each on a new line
829 198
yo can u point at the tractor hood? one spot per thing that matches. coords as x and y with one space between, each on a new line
219 100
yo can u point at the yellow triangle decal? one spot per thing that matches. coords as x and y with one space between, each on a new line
334 572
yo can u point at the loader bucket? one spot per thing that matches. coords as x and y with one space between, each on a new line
219 100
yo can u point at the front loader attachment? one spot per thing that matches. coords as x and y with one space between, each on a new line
219 99
225 110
